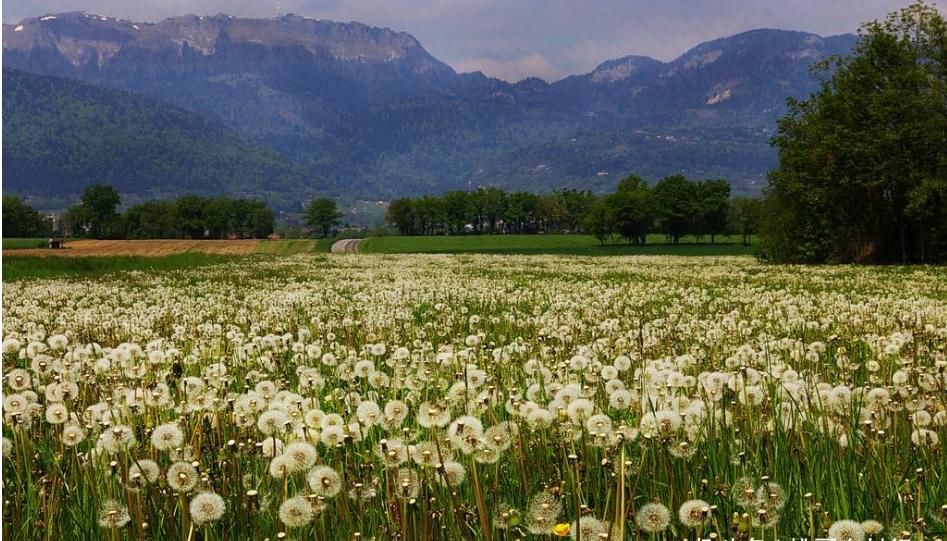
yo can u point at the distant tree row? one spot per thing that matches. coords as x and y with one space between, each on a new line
22 221
674 206
490 210
191 216
198 217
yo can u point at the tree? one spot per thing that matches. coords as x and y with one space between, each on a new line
712 206
574 205
598 221
219 217
151 220
631 209
675 205
456 210
491 206
548 212
21 220
744 217
400 214
429 213
192 215
322 214
97 210
862 170
262 220
521 212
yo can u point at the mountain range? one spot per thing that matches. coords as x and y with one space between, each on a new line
292 107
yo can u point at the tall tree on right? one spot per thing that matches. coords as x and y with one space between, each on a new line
862 173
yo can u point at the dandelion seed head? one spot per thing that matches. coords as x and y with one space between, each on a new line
847 530
207 507
113 515
296 512
653 517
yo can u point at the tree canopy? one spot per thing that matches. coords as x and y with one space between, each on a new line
322 214
190 216
675 206
862 173
21 220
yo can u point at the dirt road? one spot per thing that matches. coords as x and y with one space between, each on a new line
346 246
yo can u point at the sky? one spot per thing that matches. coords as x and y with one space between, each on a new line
514 39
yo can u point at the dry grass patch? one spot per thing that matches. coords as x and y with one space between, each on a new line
147 248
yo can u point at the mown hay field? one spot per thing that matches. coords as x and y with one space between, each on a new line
145 248
477 397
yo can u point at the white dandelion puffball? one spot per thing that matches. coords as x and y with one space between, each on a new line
296 512
847 530
653 517
207 507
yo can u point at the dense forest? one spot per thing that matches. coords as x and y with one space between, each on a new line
62 135
675 206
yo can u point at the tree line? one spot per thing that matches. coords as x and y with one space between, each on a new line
97 216
190 216
675 206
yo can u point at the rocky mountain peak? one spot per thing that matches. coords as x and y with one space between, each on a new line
83 38
624 68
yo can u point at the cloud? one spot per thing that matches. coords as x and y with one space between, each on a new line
531 65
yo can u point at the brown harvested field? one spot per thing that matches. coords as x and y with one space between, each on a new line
148 248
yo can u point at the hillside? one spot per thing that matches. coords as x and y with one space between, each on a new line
372 110
61 135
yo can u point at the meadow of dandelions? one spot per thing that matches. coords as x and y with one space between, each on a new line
477 397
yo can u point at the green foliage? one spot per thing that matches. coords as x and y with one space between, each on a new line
567 244
712 208
675 199
152 220
96 211
863 164
198 217
322 214
676 206
744 217
22 220
598 221
491 210
631 209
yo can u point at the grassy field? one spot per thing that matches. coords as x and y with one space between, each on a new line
475 398
544 244
20 265
23 244
32 267
294 246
